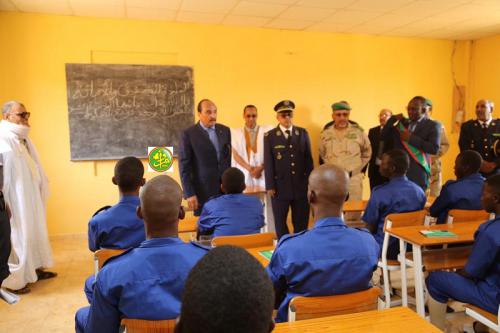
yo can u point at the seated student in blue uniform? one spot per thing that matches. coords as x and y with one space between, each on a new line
240 297
463 193
232 213
479 282
118 227
328 259
145 282
399 195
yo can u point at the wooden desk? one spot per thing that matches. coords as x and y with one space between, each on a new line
465 234
382 321
255 252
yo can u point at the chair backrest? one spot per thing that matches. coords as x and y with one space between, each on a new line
301 307
148 326
355 205
463 215
246 241
100 256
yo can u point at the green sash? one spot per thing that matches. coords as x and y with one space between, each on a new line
419 156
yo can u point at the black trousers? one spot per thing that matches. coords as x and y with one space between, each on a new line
5 246
300 215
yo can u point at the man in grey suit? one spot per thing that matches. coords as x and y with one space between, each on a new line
205 153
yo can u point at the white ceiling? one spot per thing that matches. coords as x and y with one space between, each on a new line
443 19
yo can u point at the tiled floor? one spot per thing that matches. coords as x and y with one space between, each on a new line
51 305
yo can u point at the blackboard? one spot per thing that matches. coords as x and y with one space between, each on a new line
121 110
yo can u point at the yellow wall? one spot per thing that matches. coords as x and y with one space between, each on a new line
232 66
485 72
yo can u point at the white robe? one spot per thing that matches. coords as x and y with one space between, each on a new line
26 190
239 144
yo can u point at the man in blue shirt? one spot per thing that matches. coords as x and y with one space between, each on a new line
119 227
479 282
233 213
463 193
240 297
399 195
328 259
145 282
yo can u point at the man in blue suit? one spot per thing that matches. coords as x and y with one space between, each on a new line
205 153
418 136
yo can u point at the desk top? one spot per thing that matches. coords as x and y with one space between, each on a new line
383 321
255 252
464 231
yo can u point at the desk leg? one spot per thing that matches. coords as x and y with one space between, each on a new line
402 260
419 282
268 213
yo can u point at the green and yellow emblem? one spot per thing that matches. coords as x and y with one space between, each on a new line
161 159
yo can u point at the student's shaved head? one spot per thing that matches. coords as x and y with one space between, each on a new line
328 186
160 203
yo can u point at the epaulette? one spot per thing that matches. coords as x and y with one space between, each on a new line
356 125
201 246
363 229
286 237
117 256
102 209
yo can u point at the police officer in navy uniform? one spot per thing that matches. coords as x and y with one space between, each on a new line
288 163
480 135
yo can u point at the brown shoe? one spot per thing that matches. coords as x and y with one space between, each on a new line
21 291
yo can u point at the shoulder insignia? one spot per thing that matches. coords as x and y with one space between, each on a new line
290 236
201 246
117 256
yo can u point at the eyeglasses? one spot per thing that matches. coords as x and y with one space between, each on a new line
24 115
286 114
343 114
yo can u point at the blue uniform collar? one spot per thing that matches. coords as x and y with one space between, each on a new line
130 199
328 222
473 176
398 179
159 242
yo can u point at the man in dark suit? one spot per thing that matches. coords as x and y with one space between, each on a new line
480 135
374 135
205 153
418 136
288 163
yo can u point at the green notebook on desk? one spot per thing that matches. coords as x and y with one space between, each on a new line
267 254
437 233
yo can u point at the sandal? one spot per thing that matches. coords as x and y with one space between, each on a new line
44 275
21 291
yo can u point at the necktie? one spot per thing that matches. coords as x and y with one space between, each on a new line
288 135
215 141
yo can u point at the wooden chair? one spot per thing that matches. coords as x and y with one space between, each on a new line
463 215
148 326
246 241
102 255
487 318
301 307
357 206
189 225
394 221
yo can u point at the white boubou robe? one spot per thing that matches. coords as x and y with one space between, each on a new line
25 187
238 143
